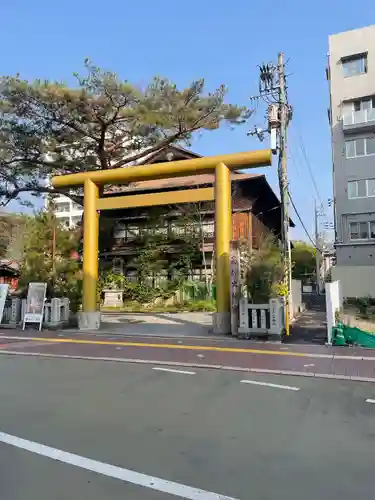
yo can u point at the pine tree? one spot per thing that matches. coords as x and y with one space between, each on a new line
47 128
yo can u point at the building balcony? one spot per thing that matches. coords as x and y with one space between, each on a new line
359 121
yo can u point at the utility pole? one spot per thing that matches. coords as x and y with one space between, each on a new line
317 246
52 221
284 116
273 91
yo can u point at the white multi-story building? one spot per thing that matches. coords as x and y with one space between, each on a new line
67 211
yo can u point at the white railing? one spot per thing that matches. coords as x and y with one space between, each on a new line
56 312
261 319
357 117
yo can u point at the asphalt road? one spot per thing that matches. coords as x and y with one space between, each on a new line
206 430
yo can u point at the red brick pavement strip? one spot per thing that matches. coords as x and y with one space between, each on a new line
223 342
352 369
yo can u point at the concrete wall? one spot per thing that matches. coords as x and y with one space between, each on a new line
296 297
343 90
355 281
361 254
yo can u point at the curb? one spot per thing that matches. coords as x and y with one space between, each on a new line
194 365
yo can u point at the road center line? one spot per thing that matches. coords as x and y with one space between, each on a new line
208 348
370 401
130 476
276 386
241 350
184 372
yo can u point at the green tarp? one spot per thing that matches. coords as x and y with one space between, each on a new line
347 335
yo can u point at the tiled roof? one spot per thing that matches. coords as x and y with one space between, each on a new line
193 180
9 264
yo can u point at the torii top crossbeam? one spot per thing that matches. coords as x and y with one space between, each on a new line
179 168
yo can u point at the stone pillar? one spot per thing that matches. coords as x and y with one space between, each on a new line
89 321
23 309
65 310
277 316
15 314
55 312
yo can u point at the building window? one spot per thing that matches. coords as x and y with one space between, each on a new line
364 188
63 207
119 230
64 221
132 232
208 229
364 146
362 230
117 266
370 146
363 104
357 189
370 187
161 230
354 65
359 230
177 229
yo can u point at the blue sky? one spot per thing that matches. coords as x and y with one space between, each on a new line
222 42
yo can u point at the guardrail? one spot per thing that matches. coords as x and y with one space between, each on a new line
358 117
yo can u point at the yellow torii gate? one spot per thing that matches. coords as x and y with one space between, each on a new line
221 165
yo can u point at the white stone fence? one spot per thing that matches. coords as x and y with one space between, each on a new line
261 319
56 312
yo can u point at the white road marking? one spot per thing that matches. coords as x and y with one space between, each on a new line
307 366
370 401
184 372
276 386
130 476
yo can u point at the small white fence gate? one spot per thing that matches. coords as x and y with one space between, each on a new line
261 319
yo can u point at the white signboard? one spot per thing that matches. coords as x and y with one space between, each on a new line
36 296
3 296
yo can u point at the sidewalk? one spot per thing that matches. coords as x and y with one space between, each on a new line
216 353
311 326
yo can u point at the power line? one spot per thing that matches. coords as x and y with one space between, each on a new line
304 154
302 223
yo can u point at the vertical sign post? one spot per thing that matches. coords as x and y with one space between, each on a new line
235 286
